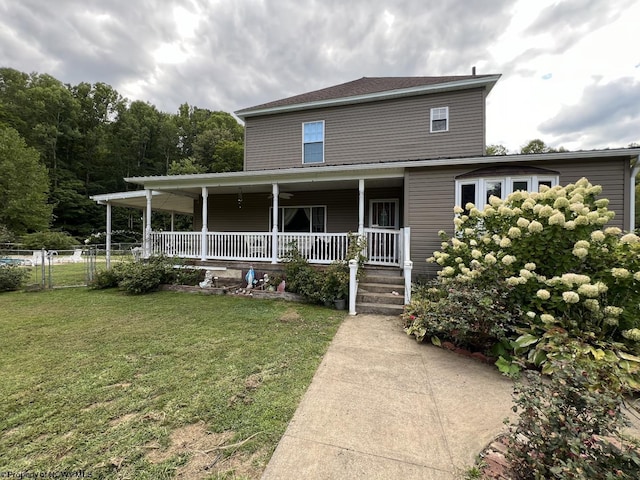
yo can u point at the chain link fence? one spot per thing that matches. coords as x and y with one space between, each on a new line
61 268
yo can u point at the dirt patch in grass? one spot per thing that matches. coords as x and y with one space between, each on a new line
253 381
209 454
122 419
290 316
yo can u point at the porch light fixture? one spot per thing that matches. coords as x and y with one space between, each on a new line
240 198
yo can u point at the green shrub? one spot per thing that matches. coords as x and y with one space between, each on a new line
302 278
570 427
49 241
473 318
109 278
12 277
551 256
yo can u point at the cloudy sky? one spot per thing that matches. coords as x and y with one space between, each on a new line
570 68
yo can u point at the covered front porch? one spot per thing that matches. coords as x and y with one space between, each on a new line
262 216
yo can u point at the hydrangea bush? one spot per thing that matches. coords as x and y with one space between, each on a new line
573 277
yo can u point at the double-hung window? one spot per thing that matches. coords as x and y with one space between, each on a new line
313 142
478 188
311 219
439 119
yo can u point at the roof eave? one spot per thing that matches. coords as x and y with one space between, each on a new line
487 82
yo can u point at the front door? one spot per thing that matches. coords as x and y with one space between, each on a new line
382 246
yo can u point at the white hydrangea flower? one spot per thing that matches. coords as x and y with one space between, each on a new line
486 240
469 231
444 245
475 253
522 222
475 264
570 225
531 314
570 279
458 209
459 260
581 220
588 290
543 294
636 276
513 281
630 238
602 287
561 202
447 272
570 297
473 243
602 203
546 211
441 233
535 227
612 231
597 236
556 219
581 244
592 305
489 211
530 266
546 318
576 207
612 321
580 252
528 204
613 311
620 273
495 201
595 190
458 222
474 212
514 232
508 259
489 259
469 205
526 274
633 334
505 242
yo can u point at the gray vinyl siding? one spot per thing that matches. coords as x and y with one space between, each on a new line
371 132
430 197
342 209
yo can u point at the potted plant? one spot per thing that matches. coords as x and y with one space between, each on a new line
336 285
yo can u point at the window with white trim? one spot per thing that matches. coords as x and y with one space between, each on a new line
439 119
313 142
311 219
479 190
383 213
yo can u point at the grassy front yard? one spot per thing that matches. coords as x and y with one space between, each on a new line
152 386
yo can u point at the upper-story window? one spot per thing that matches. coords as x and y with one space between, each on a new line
440 119
313 142
478 186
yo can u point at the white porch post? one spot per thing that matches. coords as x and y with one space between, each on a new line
275 191
205 217
147 229
353 285
361 207
108 248
407 264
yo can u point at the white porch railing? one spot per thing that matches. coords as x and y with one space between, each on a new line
315 247
254 246
384 246
175 244
322 248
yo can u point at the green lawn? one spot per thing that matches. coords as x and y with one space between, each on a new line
152 386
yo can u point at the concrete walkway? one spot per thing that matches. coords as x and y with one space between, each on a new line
382 406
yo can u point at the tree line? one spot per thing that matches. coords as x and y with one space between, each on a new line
61 143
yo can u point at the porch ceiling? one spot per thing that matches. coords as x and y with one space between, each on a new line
160 201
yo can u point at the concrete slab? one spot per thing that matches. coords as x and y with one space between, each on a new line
297 459
383 406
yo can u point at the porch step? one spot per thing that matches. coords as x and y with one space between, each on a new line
375 291
379 308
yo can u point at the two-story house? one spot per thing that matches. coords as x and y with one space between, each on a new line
387 158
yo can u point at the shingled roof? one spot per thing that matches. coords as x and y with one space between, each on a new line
362 87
